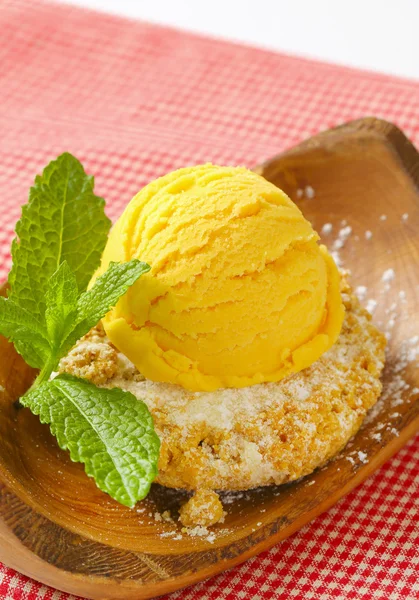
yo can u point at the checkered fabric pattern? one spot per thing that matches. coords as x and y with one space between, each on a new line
134 101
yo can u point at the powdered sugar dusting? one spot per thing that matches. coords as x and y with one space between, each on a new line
309 192
371 305
397 391
388 275
362 457
361 291
306 192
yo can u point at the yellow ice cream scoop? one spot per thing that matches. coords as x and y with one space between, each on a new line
239 290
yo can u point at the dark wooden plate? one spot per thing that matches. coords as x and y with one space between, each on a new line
57 527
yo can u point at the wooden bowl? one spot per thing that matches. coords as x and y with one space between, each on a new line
57 527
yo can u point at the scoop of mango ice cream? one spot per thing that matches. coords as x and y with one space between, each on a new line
239 290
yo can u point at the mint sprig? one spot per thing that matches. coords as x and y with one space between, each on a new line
60 238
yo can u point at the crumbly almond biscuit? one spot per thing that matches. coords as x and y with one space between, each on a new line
237 439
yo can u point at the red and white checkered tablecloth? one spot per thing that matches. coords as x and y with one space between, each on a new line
133 101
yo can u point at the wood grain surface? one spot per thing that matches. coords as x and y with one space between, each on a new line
58 528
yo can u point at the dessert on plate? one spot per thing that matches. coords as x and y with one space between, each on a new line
256 362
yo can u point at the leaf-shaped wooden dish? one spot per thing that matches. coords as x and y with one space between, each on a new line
57 527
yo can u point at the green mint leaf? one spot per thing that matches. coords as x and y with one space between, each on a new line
61 304
59 241
28 336
93 305
63 220
108 430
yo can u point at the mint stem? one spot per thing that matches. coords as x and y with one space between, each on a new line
44 374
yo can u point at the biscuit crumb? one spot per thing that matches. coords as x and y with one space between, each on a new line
166 516
204 509
92 358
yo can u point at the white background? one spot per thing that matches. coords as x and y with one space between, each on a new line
381 35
